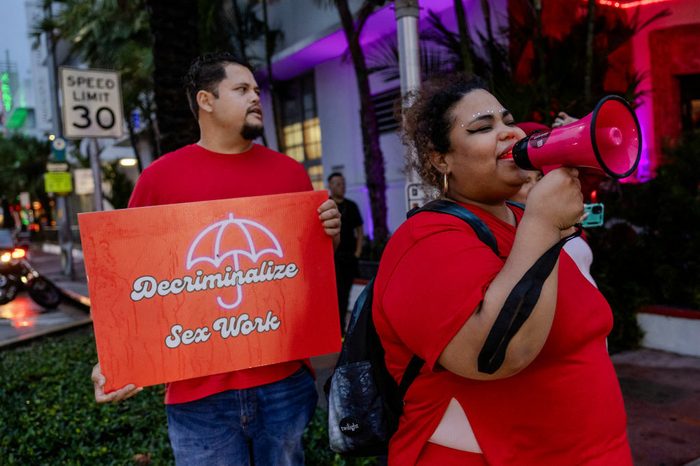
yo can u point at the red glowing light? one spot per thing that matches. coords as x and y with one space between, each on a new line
630 4
20 312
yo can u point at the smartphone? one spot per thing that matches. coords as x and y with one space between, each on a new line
595 215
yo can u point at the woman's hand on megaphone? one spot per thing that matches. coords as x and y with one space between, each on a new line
556 199
562 119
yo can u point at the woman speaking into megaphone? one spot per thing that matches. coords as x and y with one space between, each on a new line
516 370
577 248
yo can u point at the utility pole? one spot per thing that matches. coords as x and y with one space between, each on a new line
407 32
409 71
65 234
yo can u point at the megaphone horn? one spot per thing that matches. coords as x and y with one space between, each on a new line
607 139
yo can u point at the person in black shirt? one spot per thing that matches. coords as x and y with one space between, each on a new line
350 247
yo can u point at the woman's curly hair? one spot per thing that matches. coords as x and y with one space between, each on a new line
428 120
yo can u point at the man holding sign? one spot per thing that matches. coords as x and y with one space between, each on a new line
258 413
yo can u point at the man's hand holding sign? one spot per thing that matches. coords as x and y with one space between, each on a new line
187 290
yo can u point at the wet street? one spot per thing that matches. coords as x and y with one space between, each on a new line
23 319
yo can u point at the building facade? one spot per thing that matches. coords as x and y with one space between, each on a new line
320 107
320 120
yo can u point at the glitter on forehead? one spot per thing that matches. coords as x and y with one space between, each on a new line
488 112
485 112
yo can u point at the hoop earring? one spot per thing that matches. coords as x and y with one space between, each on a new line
445 185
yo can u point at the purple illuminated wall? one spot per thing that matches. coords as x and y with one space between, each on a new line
379 25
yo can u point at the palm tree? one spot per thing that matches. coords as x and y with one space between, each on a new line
245 29
373 157
238 25
553 80
272 38
588 77
174 25
465 46
110 34
22 165
571 85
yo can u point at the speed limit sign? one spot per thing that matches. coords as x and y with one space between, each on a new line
92 103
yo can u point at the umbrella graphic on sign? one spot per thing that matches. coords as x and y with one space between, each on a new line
228 240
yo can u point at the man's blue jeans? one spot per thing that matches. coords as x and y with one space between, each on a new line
228 428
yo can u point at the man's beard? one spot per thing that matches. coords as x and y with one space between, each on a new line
250 132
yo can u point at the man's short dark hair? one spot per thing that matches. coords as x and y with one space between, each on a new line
205 74
333 175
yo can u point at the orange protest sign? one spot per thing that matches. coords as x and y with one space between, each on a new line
187 290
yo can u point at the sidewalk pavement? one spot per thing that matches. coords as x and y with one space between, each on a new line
662 398
661 390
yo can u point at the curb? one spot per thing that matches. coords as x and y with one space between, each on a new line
78 300
49 331
83 302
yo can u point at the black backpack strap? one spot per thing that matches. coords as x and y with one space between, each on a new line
517 308
452 208
366 295
411 373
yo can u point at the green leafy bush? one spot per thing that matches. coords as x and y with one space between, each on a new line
49 415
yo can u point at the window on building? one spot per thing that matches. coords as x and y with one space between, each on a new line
301 129
690 101
384 107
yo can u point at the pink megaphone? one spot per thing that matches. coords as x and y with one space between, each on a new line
607 139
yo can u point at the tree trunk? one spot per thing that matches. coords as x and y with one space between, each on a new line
373 157
153 133
464 38
588 77
541 61
486 10
174 25
238 32
241 39
269 50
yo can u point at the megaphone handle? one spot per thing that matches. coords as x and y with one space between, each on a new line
548 168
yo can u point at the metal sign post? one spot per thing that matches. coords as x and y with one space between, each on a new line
96 176
65 233
57 180
92 108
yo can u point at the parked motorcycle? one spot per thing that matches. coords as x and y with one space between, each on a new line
16 274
